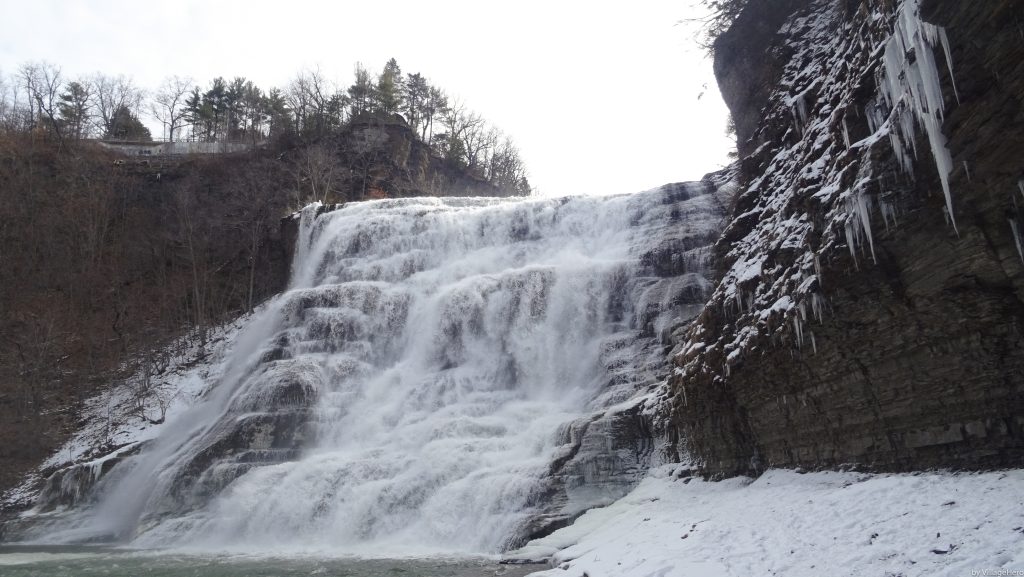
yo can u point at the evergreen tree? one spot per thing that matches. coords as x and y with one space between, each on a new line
416 93
388 93
360 92
194 113
215 108
126 126
433 106
74 107
234 113
252 111
276 108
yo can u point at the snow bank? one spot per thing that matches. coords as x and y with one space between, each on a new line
787 523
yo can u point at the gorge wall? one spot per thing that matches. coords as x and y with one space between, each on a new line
870 311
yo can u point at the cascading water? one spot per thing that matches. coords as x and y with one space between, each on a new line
428 382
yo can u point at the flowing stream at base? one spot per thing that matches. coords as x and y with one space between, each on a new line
414 389
62 561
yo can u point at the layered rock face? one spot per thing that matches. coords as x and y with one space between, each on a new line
872 296
384 157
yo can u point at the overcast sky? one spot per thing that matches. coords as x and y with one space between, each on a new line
601 97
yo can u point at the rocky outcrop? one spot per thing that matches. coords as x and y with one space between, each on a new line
862 319
383 157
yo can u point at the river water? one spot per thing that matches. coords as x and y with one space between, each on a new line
62 561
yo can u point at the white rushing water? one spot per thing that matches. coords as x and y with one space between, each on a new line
406 394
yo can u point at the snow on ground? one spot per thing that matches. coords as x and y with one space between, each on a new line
793 524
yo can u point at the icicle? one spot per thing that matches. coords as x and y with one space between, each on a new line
949 62
1016 238
907 131
799 331
850 242
905 84
865 222
814 345
798 108
967 171
801 106
1020 185
872 122
846 134
817 306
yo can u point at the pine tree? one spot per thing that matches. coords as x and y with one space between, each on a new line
433 106
74 107
277 111
215 107
126 126
388 93
416 93
361 91
194 113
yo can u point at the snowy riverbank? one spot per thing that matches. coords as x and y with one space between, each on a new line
792 524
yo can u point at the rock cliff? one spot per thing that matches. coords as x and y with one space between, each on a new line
383 157
870 309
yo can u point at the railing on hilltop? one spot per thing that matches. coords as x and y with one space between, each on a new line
161 147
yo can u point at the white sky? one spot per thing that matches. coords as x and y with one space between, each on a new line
600 97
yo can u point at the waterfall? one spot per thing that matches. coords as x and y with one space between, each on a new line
416 388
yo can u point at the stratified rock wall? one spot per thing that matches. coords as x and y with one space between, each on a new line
855 323
384 157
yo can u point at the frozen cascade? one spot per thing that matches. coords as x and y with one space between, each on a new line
433 366
910 87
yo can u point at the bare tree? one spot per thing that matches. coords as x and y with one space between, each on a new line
28 75
45 92
316 102
42 82
507 170
299 101
463 132
190 239
251 209
317 173
478 142
113 94
168 104
5 103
